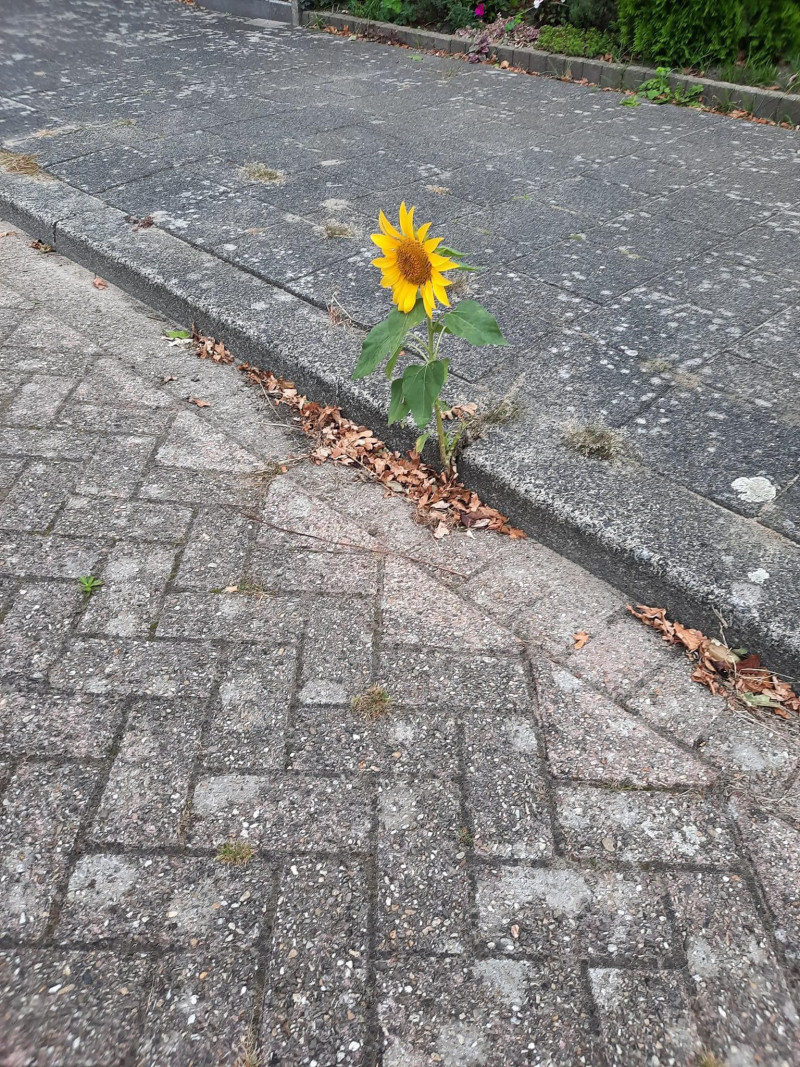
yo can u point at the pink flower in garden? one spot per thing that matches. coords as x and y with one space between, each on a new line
480 11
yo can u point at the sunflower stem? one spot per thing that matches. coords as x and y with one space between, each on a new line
437 407
442 438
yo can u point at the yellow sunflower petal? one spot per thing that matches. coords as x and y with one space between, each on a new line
422 232
432 243
441 262
407 221
409 298
387 227
384 241
427 299
440 293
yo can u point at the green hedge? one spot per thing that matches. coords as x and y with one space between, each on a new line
704 33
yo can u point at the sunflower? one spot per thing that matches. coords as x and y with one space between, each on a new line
410 263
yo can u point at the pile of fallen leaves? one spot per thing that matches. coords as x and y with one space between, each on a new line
442 501
733 673
440 497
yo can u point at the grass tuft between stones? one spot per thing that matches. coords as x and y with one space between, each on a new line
337 229
595 441
18 163
373 704
235 853
260 172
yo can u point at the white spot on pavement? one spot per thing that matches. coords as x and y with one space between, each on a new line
754 490
758 576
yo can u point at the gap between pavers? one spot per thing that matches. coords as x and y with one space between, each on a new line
638 530
760 103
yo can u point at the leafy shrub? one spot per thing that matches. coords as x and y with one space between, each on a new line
703 33
570 41
459 15
681 35
592 14
770 29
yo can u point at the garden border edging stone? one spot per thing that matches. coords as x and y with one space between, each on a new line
761 103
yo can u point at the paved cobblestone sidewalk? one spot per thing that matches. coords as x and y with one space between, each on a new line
537 856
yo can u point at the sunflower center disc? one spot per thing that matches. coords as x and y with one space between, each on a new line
412 259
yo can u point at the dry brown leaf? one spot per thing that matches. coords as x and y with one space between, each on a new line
199 403
580 638
721 670
98 283
40 246
169 378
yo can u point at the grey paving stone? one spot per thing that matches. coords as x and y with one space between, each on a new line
403 742
35 627
659 331
438 678
722 210
644 1017
65 1004
144 668
200 1008
753 1014
42 811
280 812
736 283
240 616
53 444
37 402
783 514
184 901
148 788
37 496
773 342
51 347
773 845
248 720
9 469
116 467
315 1003
34 720
111 383
423 887
671 701
419 610
506 788
679 433
337 651
590 738
28 556
194 444
86 516
569 912
201 487
642 827
492 1012
313 563
531 590
593 271
134 581
103 419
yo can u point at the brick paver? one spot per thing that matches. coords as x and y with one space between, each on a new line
537 856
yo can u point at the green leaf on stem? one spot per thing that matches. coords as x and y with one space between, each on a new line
474 323
420 442
386 339
398 408
421 387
